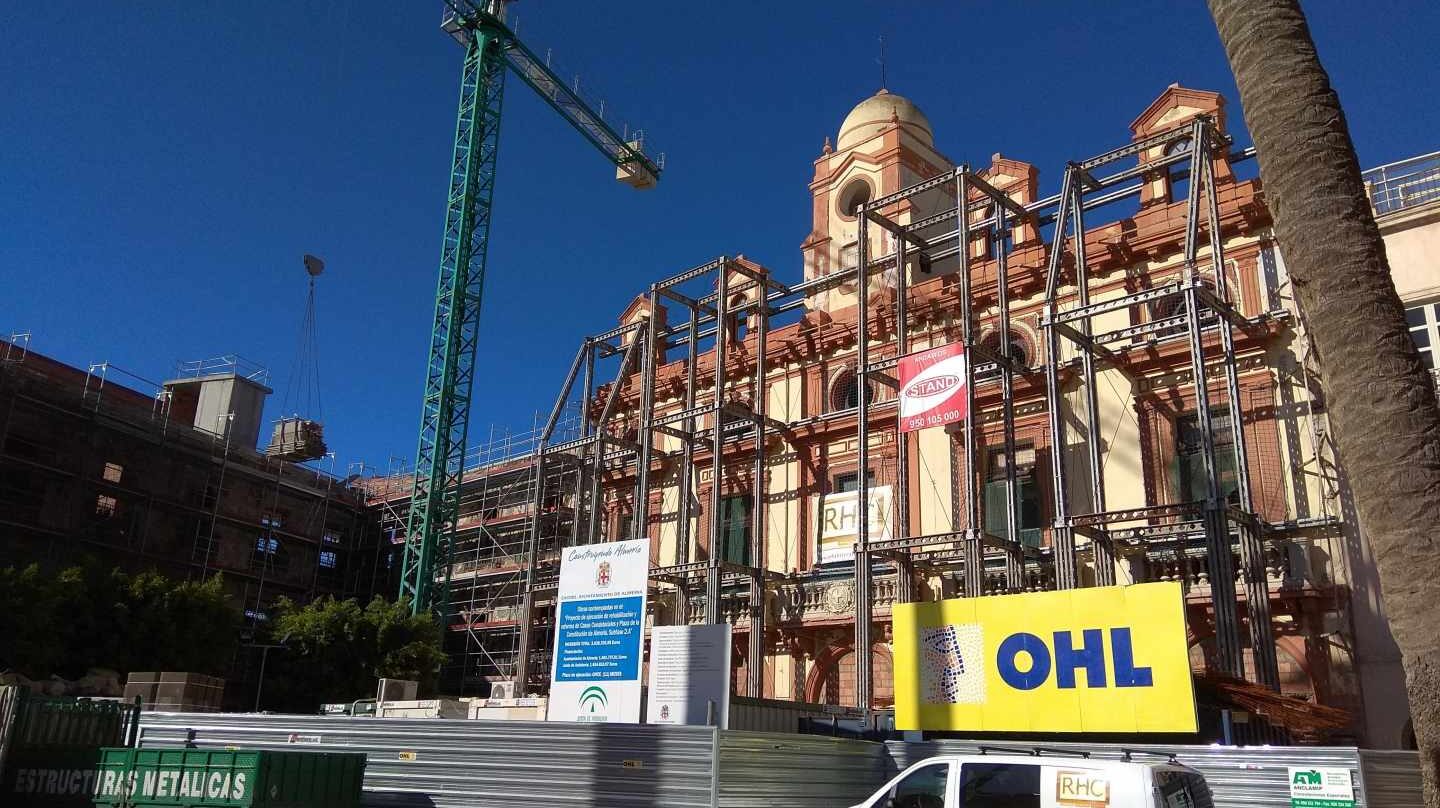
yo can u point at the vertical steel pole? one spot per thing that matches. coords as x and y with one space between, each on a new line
974 546
904 569
597 461
717 445
1014 552
586 457
640 525
756 664
685 478
1217 534
1104 554
1252 552
1062 536
863 684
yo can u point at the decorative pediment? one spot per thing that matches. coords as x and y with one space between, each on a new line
1175 106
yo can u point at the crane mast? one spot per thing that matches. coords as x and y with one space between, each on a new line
450 366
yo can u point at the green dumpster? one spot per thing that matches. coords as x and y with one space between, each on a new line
235 778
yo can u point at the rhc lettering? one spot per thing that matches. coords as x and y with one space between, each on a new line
1082 788
1067 658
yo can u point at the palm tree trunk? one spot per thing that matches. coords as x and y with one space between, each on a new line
1382 407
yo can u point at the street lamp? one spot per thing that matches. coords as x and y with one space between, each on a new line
264 655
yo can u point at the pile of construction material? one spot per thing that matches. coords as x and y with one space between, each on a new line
176 692
297 440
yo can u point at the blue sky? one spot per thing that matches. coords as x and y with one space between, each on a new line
164 165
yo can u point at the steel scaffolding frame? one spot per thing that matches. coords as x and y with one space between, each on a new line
738 435
1205 312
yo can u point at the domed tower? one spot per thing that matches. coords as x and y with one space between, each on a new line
885 144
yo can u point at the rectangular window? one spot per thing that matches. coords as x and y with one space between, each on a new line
1027 496
269 554
112 472
735 529
1190 458
105 507
332 537
851 482
999 785
1424 322
272 520
328 559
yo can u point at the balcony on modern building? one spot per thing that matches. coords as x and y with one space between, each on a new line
1404 184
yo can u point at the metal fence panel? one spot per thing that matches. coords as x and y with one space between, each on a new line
477 764
1239 777
774 715
762 770
1392 778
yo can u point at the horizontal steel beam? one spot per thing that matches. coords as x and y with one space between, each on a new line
692 274
1114 304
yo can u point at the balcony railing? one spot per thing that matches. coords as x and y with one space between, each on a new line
1404 184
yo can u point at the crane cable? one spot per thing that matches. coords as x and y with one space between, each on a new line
302 395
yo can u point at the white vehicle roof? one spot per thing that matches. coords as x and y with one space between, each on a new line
1060 759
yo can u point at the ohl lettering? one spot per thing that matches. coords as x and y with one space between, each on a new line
1065 658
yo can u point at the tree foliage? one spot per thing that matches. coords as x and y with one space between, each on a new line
63 624
334 650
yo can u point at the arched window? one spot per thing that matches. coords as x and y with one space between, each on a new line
735 321
1020 350
845 391
853 195
1174 306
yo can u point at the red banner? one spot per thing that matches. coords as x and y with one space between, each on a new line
932 387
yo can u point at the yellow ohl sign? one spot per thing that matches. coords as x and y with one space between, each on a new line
1102 659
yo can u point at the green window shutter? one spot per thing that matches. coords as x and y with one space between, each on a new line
735 534
1029 509
995 509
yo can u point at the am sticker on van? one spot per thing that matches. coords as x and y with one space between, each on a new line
1081 789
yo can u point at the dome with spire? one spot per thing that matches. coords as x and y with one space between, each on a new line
879 111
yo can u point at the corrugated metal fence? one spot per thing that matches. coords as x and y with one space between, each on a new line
760 770
445 763
1392 778
442 763
1241 777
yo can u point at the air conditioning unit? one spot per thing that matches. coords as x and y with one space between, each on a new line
503 690
396 690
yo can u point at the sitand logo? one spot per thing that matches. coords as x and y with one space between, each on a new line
594 703
933 386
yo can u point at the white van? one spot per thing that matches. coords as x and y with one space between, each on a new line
1008 778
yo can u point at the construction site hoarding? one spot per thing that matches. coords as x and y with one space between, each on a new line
599 633
689 675
838 518
1099 659
932 387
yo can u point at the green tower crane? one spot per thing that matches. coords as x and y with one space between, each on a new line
479 26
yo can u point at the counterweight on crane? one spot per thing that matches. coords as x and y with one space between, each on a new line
479 26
